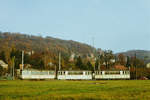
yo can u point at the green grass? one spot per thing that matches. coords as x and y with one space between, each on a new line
75 90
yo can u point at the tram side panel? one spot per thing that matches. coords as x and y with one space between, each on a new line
74 75
28 74
112 75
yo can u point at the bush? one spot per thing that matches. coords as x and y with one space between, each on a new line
1 70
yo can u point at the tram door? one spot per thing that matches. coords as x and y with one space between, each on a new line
93 75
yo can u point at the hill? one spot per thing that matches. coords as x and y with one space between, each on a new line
141 54
39 44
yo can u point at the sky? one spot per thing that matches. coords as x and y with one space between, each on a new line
119 25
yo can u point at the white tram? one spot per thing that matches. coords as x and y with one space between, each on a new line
112 74
37 74
74 75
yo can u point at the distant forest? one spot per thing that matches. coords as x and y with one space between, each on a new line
40 44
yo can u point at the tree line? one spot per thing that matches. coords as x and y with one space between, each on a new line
101 61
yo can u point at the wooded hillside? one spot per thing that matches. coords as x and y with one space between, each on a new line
39 44
141 54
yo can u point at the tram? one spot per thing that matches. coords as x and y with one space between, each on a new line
75 75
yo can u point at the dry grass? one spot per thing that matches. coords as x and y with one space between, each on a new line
75 90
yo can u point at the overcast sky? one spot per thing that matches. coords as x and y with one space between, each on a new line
118 25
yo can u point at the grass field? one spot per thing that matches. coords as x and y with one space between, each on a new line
75 90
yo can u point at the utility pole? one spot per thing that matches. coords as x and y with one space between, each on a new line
59 61
13 61
135 67
55 72
129 71
22 60
93 52
99 65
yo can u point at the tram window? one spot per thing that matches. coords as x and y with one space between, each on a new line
60 73
86 73
25 72
127 72
96 73
34 73
89 73
75 73
107 72
51 72
63 73
112 72
99 73
43 73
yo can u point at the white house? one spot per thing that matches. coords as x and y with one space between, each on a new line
72 57
3 64
148 65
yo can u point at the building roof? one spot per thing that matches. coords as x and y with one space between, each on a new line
3 64
120 67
